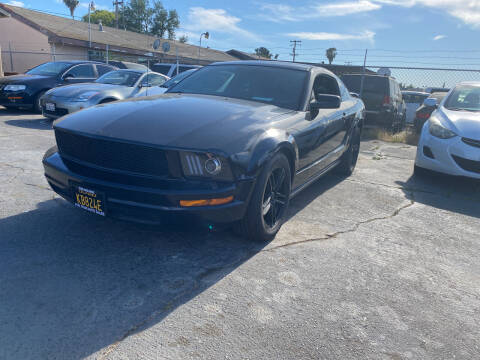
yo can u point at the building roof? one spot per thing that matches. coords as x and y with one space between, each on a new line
74 32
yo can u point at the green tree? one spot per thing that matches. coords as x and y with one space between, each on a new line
72 5
183 39
138 16
151 18
106 17
330 54
263 52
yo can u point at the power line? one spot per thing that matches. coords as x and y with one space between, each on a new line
294 51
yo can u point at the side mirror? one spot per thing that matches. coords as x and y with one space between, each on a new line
326 102
431 102
355 95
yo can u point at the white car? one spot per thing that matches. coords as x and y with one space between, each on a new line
157 90
450 139
413 100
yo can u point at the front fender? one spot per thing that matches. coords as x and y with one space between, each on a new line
266 146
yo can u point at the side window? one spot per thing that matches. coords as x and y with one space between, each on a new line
183 68
153 80
81 72
103 69
326 85
162 69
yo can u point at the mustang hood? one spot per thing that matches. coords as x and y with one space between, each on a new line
74 90
178 120
465 123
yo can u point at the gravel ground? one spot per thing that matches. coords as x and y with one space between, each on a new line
382 265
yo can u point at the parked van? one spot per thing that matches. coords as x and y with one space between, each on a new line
383 100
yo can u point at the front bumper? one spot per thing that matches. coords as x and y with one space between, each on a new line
148 204
450 156
63 106
18 99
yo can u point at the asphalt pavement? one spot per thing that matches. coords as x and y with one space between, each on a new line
381 265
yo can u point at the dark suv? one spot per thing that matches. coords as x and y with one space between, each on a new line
25 90
383 100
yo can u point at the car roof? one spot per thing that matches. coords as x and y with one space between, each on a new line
270 63
140 71
415 92
474 83
79 62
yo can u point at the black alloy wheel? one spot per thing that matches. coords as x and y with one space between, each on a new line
349 158
268 205
275 198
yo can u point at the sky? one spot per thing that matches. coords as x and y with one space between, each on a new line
417 33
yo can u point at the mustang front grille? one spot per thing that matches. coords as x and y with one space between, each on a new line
111 154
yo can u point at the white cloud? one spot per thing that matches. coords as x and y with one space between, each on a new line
16 3
365 35
85 5
218 20
439 37
468 11
280 12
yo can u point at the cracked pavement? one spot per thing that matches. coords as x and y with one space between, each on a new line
381 265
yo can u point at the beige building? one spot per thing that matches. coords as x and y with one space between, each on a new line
29 38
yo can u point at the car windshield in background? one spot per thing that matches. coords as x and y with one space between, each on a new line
176 79
438 96
273 85
373 84
414 98
49 69
125 78
464 97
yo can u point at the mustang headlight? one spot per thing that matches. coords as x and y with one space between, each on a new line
438 130
205 165
15 87
86 96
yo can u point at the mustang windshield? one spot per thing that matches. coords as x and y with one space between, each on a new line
125 78
49 69
268 84
464 97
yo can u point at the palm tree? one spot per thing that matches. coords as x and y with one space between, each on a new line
72 5
330 54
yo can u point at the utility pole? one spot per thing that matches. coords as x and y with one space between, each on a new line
363 73
116 3
294 52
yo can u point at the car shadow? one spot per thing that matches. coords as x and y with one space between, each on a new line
37 124
456 194
73 283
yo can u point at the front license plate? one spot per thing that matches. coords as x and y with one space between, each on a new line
50 106
90 200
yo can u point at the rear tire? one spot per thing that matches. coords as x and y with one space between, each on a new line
268 205
350 157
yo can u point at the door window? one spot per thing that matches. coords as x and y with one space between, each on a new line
325 85
84 71
103 69
153 80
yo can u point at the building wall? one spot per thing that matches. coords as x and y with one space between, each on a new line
23 47
68 52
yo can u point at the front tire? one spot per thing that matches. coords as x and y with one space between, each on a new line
268 205
37 107
350 157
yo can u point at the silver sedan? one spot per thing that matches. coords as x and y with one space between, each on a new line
114 85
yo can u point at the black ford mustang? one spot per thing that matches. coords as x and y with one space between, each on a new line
233 142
